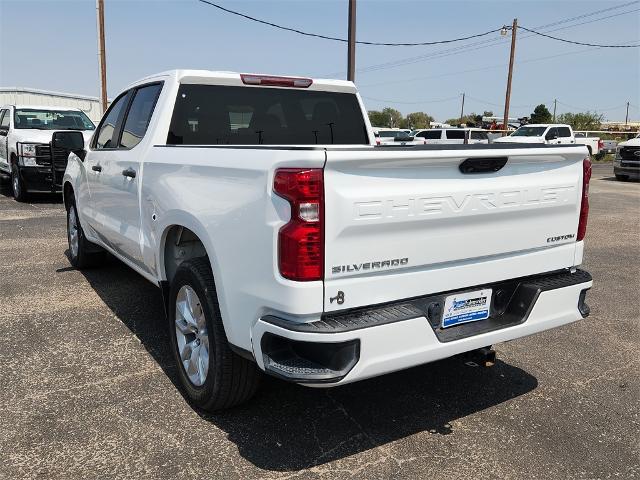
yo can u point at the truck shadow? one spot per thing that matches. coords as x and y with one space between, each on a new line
288 427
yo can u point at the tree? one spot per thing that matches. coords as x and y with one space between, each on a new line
541 114
394 116
582 121
417 120
378 119
470 120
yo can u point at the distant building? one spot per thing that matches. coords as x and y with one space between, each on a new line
620 126
32 96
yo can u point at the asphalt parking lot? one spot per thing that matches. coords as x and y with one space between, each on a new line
88 387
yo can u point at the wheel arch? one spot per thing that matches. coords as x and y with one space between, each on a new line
67 193
188 234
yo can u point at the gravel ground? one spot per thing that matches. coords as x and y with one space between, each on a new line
88 387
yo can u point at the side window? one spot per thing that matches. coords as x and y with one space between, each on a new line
104 135
139 115
4 119
475 135
455 134
551 134
564 131
432 134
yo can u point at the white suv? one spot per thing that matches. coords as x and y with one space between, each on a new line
451 135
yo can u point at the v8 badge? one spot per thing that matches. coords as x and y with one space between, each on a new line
339 298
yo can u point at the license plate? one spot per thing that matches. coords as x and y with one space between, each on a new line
466 307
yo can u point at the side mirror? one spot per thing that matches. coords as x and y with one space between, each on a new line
72 141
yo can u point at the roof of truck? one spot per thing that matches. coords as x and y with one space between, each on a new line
233 79
547 125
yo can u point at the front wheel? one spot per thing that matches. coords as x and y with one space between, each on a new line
19 193
212 375
82 253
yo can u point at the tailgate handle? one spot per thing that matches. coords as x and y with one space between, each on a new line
483 165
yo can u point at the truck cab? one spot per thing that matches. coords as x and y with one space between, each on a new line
25 150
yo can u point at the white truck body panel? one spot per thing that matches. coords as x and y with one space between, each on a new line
417 205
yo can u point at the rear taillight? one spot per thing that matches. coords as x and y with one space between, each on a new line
301 240
584 206
600 144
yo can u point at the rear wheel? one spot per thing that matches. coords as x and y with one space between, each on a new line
82 253
212 375
622 178
19 193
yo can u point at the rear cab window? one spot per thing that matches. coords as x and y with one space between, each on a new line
476 135
234 115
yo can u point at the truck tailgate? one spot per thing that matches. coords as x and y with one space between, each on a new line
401 223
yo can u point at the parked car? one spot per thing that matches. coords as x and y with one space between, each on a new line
594 144
283 240
443 136
25 154
552 134
609 146
393 136
627 162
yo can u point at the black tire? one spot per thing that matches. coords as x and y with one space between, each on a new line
19 192
85 254
230 379
622 178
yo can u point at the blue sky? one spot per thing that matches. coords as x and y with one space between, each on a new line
52 45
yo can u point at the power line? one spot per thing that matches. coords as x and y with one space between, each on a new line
338 39
590 14
484 44
480 69
577 43
592 109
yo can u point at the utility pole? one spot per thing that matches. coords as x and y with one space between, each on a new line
626 119
101 55
555 104
351 53
514 29
462 110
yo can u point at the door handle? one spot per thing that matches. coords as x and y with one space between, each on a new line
129 172
96 168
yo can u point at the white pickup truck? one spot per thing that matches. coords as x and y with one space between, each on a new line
25 150
285 241
552 134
